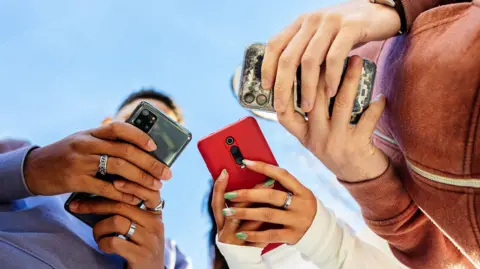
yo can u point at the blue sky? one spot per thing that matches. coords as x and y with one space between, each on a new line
65 65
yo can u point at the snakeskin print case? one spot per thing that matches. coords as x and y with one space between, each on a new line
253 96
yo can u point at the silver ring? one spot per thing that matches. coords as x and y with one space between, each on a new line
102 165
159 208
131 230
288 201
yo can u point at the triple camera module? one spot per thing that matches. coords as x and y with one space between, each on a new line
145 120
235 151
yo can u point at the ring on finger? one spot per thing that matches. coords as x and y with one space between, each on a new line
288 200
131 230
159 208
102 165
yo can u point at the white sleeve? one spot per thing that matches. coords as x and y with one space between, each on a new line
241 257
282 257
329 246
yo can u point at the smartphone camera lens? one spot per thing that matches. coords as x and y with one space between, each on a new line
138 121
261 99
249 98
145 112
229 140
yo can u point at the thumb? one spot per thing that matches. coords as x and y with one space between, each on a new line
218 199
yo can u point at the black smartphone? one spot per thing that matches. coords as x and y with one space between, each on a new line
171 139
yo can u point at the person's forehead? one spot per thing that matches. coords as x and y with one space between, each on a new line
125 112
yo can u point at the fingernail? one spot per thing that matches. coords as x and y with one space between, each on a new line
330 93
306 105
157 184
230 195
151 145
269 182
378 97
166 174
241 236
74 206
227 212
223 175
248 163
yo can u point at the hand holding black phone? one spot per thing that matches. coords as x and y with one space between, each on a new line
170 137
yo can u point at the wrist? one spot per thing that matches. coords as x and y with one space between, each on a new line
393 11
30 171
369 169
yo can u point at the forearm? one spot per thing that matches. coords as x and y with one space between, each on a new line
390 212
12 181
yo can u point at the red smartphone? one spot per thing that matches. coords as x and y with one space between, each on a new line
226 149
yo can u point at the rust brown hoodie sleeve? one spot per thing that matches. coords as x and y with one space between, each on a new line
413 8
390 212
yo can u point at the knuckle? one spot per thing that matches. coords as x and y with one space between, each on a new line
273 45
78 143
268 215
311 19
115 127
117 222
272 236
118 163
341 103
145 179
128 150
155 165
284 172
111 244
332 57
286 61
104 189
332 17
271 195
119 207
308 61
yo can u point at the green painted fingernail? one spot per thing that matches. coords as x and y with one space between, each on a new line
227 212
230 195
241 236
269 182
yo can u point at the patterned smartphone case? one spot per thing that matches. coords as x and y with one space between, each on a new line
253 96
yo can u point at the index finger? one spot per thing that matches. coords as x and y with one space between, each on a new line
343 106
109 207
279 174
126 132
273 50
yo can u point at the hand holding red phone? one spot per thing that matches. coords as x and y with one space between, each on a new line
227 228
70 165
295 208
145 249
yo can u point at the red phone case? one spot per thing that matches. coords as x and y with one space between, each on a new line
249 138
